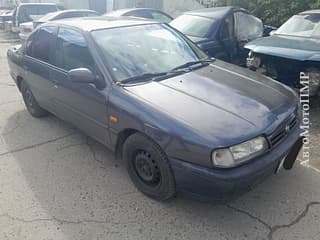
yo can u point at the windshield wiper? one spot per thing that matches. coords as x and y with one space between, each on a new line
143 77
177 70
192 63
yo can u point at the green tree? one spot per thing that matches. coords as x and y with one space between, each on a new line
272 12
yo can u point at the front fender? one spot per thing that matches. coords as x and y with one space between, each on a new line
175 139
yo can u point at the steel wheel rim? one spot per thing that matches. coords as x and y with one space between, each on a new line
146 168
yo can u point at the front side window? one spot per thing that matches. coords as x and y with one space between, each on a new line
227 30
72 51
247 27
151 48
39 44
307 25
194 26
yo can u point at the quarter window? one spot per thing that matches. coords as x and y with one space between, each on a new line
72 51
39 44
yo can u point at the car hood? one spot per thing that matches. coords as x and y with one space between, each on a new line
298 48
221 102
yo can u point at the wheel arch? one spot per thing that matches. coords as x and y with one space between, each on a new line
122 137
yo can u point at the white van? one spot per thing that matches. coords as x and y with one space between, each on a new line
29 12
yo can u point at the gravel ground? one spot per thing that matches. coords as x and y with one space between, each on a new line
56 183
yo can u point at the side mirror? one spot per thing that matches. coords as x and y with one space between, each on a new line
81 75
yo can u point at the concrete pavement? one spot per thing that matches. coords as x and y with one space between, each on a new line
56 183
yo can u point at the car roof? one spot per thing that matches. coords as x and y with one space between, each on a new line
315 11
122 11
36 4
102 22
76 10
217 12
52 15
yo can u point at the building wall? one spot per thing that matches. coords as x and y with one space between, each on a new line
173 7
176 7
69 4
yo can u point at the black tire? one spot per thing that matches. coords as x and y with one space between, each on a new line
149 167
31 103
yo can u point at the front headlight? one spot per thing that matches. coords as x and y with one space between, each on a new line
235 155
253 61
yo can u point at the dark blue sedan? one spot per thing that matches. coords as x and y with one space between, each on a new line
221 32
182 122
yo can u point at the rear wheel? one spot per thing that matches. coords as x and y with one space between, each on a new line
149 167
31 103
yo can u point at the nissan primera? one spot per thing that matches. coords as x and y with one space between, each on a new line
183 122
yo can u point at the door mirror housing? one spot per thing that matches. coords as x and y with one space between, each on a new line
81 75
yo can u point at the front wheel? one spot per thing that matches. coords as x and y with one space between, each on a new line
148 167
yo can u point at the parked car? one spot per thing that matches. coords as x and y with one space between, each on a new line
27 28
4 17
29 12
71 13
292 49
221 32
148 13
181 120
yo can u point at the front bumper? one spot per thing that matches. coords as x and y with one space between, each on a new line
225 184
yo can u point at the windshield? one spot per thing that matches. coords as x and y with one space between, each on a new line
137 50
301 25
29 13
194 26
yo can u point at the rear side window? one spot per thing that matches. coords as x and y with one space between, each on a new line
72 51
39 44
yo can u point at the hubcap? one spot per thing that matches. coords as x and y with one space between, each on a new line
147 168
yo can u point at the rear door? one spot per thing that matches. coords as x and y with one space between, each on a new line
37 62
84 105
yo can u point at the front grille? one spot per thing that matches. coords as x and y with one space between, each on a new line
281 132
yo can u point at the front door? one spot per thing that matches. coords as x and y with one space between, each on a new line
228 40
247 28
82 104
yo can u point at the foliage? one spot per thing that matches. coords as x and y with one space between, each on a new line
272 12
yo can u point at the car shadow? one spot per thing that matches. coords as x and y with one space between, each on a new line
87 194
